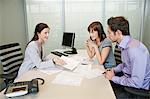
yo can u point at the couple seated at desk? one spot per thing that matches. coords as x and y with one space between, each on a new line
136 72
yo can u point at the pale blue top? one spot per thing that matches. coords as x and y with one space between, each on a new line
110 60
135 66
33 59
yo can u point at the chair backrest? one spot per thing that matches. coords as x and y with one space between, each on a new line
117 54
11 58
139 92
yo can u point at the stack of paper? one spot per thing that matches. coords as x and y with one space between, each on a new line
86 71
70 63
87 61
82 69
93 73
50 71
68 78
78 58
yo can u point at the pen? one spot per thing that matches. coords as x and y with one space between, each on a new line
106 71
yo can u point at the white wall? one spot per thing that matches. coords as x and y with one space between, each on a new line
0 21
0 34
146 33
12 23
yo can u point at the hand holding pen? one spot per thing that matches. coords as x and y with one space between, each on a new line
109 74
106 71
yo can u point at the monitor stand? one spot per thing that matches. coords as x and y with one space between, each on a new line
74 51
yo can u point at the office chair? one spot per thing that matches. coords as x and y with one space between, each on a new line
117 54
11 58
139 92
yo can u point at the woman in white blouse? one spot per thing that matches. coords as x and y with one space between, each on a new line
34 54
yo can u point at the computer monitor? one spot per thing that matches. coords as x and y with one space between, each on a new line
68 41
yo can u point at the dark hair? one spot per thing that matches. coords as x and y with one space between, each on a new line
97 26
39 27
119 23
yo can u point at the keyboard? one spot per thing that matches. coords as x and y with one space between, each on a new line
58 53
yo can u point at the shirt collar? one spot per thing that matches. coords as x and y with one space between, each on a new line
123 44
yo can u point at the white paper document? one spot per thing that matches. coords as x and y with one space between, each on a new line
87 61
68 78
50 71
86 71
82 69
93 73
78 58
83 60
70 63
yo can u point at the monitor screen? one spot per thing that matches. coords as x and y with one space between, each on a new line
68 39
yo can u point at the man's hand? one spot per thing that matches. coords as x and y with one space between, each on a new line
109 74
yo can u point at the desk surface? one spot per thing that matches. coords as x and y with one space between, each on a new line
96 88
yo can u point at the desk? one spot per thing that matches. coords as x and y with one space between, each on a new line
96 88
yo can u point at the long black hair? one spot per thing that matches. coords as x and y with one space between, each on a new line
97 26
39 27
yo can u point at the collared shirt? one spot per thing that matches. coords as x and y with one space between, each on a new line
135 64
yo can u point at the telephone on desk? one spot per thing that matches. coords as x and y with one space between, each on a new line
23 87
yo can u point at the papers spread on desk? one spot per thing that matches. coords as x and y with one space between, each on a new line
86 71
83 60
70 63
50 71
87 61
78 58
68 78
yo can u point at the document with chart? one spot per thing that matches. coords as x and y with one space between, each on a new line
70 63
50 71
88 72
68 78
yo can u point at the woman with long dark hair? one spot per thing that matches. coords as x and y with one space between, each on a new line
34 56
100 46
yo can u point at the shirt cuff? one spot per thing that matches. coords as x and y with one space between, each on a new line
115 79
118 68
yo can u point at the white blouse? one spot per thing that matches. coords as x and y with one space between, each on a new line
33 59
